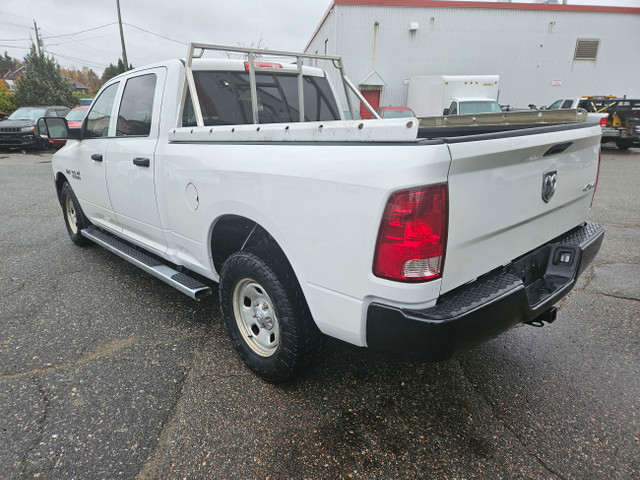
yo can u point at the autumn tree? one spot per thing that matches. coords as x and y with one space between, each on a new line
42 83
86 76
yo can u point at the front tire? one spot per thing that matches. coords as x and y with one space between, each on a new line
74 218
266 315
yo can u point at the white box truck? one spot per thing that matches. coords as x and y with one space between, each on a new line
453 94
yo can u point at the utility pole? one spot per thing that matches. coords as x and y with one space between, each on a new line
124 50
37 36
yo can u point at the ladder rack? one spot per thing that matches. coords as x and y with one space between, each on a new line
196 50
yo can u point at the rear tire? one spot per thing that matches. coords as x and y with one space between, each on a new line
74 218
266 315
624 144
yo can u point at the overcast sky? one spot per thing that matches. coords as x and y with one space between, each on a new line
281 24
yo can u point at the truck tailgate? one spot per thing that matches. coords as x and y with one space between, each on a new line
496 207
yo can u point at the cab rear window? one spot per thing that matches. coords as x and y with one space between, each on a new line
225 99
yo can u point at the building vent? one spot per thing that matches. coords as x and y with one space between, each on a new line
586 49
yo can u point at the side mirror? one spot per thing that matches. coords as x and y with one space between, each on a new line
56 128
445 111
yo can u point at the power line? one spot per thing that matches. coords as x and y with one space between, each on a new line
74 45
156 34
79 32
75 59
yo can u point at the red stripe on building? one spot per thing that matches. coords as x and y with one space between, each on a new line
493 5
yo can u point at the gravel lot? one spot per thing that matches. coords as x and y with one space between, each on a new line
106 372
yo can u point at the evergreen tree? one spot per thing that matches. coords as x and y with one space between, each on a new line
113 70
42 83
7 64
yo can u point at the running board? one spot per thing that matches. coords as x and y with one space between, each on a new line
178 280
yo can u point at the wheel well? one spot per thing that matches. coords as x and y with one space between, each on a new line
233 233
60 179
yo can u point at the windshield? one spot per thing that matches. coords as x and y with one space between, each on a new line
467 108
397 113
76 115
27 114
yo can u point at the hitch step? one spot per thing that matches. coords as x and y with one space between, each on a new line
179 280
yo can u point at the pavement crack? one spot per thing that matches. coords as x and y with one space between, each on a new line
151 467
495 415
101 351
619 297
45 414
589 274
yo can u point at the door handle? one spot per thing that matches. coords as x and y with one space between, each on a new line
141 162
97 157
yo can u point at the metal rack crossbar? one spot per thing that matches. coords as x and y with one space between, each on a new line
196 50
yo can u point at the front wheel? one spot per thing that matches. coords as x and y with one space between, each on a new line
266 315
74 219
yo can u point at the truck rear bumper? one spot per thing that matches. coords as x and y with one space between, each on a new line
523 291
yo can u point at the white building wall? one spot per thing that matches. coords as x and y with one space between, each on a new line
528 49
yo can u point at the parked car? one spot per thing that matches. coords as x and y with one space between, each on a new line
348 116
20 130
3 116
395 112
74 120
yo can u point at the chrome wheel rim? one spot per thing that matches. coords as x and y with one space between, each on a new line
256 317
72 218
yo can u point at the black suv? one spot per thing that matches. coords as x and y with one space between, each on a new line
20 130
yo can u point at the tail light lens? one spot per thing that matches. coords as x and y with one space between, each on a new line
413 235
603 121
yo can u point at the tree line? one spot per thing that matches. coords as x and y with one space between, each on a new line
43 82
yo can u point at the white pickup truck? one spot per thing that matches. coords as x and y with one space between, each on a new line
417 242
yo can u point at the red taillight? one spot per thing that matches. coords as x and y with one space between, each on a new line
262 65
603 121
413 235
595 187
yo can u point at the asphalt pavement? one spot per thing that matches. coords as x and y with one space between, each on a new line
106 372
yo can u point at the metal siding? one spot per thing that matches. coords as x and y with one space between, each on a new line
527 48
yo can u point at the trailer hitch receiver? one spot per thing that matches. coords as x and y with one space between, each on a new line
547 316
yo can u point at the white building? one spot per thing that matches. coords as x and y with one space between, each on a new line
542 52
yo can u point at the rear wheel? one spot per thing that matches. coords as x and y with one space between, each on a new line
624 144
265 314
74 219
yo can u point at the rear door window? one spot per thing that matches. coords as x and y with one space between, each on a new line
136 106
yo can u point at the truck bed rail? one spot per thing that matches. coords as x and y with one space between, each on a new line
575 115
